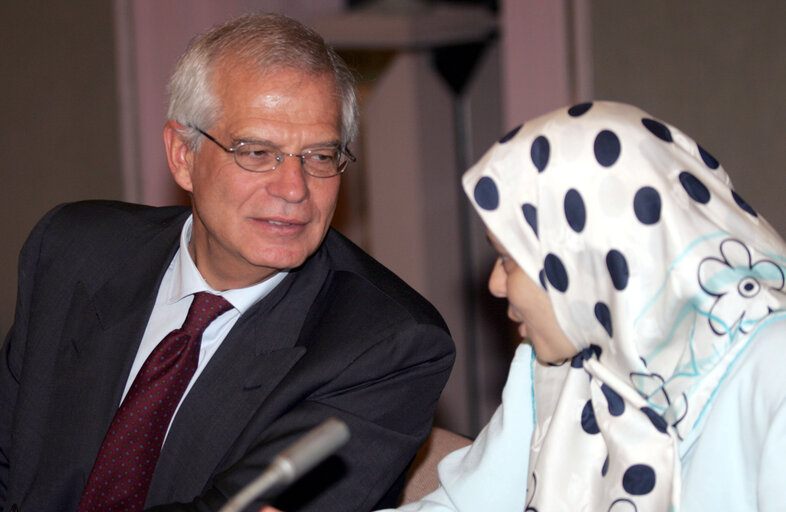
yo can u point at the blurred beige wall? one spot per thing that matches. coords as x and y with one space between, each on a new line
715 69
58 118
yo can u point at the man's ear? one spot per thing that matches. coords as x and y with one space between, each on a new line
178 155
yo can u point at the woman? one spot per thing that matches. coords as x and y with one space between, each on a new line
654 298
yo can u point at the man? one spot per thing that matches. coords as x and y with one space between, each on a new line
309 326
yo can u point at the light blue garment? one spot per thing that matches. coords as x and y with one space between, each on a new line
734 460
491 473
737 459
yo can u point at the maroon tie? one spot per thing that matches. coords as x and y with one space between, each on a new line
122 471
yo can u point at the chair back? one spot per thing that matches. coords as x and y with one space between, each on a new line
422 477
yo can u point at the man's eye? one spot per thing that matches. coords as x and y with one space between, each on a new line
323 156
255 153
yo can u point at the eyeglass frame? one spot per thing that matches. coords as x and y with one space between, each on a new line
280 156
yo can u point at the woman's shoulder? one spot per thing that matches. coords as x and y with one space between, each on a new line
763 363
728 463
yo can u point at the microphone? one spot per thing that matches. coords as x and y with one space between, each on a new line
293 462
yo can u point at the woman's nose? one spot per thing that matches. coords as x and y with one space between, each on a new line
498 280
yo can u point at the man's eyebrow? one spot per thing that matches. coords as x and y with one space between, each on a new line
252 140
333 143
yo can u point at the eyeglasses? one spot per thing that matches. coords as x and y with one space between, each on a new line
258 157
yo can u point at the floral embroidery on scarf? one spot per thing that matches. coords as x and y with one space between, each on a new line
740 286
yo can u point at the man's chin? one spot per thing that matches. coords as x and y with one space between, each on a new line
279 263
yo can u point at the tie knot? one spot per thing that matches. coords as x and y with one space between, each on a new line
205 308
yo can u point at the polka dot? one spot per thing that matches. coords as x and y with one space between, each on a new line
743 204
658 129
587 353
531 216
607 148
512 133
580 109
575 212
616 403
656 419
486 193
588 422
618 269
539 152
603 315
695 188
638 479
555 272
542 278
605 469
708 159
646 205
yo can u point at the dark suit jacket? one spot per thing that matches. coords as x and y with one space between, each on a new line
340 336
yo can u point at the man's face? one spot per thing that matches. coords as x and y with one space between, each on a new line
247 225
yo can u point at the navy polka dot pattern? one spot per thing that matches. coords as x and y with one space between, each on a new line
540 153
586 354
603 315
555 272
574 210
742 204
124 466
656 419
614 401
618 269
646 205
486 194
707 158
638 479
695 188
531 216
542 278
512 133
607 148
625 217
579 110
658 129
588 421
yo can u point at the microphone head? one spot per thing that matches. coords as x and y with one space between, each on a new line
313 448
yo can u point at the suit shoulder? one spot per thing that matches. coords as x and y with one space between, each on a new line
104 220
101 213
367 281
97 230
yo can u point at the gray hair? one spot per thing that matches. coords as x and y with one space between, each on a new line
267 41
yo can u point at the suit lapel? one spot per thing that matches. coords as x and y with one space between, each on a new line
236 384
106 320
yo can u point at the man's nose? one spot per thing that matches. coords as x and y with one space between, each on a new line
288 180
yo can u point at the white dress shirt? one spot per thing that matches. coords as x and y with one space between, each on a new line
175 294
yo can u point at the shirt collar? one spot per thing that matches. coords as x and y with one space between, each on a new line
187 280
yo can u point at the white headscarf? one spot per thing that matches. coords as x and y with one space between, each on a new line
658 272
